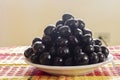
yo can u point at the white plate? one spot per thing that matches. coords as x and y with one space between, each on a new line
70 70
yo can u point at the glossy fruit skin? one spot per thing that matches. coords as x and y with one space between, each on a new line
61 42
45 58
101 56
81 59
28 52
52 51
66 17
60 22
78 33
87 39
38 47
98 42
97 48
88 49
81 24
93 58
57 61
71 23
48 30
34 58
77 50
73 41
47 40
55 33
105 51
87 31
63 52
58 27
69 61
36 39
65 31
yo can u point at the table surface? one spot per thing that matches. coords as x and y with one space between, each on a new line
13 67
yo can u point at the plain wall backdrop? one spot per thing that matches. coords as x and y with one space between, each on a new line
22 20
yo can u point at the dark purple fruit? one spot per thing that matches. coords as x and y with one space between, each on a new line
101 56
34 58
55 33
52 51
36 39
97 48
45 58
63 52
78 33
71 23
68 43
69 61
88 49
77 51
60 22
61 42
98 42
58 27
73 41
87 31
47 40
93 58
81 24
38 47
87 39
105 51
65 31
66 17
81 59
48 30
28 52
57 61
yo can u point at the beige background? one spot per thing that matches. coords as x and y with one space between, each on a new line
22 20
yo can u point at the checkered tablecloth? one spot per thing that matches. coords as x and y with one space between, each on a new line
13 67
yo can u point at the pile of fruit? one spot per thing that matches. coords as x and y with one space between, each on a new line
68 43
